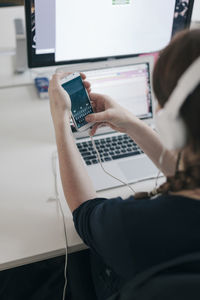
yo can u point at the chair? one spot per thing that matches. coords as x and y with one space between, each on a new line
178 279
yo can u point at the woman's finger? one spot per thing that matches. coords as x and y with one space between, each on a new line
93 106
59 75
96 126
94 129
97 97
86 84
83 76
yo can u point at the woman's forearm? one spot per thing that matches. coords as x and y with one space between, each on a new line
77 185
149 142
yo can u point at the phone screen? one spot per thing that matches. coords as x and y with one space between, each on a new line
81 106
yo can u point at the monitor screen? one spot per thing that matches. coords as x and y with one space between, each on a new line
129 85
74 31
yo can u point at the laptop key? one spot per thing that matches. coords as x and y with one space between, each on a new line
94 161
108 158
86 154
105 154
88 162
84 150
89 157
125 155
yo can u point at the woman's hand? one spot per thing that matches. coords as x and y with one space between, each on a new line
60 103
108 112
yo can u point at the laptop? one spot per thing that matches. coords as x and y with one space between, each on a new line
128 82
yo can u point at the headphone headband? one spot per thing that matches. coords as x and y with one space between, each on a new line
185 86
172 129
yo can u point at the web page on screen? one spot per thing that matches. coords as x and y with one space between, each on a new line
102 28
128 85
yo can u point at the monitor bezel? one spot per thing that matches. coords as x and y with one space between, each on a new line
34 61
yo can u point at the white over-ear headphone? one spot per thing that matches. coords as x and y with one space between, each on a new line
170 126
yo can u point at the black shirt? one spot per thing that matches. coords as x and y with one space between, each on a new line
133 235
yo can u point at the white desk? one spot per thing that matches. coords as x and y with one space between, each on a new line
31 227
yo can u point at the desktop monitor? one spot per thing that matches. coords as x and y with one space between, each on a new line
76 31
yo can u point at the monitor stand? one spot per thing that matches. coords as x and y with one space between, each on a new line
20 61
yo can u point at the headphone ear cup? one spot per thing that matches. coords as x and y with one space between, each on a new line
172 131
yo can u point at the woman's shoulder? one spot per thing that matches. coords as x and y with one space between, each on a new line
118 207
170 199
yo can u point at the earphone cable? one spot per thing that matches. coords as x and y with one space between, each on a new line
54 159
99 159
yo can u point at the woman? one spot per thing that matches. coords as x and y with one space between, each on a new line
133 235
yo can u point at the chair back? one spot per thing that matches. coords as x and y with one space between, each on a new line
178 279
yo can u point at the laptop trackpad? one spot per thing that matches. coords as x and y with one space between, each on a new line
137 169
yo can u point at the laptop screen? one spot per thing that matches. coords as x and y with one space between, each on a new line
128 85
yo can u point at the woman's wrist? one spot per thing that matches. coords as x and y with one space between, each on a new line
61 124
63 133
132 124
60 119
130 121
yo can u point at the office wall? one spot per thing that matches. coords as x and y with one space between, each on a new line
7 29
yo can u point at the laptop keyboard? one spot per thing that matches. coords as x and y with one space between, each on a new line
110 148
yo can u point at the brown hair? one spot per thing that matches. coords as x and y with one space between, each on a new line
172 63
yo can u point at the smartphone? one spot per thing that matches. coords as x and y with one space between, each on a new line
80 101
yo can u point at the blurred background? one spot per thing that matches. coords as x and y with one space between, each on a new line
10 3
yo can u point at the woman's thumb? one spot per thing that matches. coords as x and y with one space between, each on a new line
96 97
96 117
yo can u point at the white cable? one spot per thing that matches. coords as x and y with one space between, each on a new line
99 159
54 160
156 182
